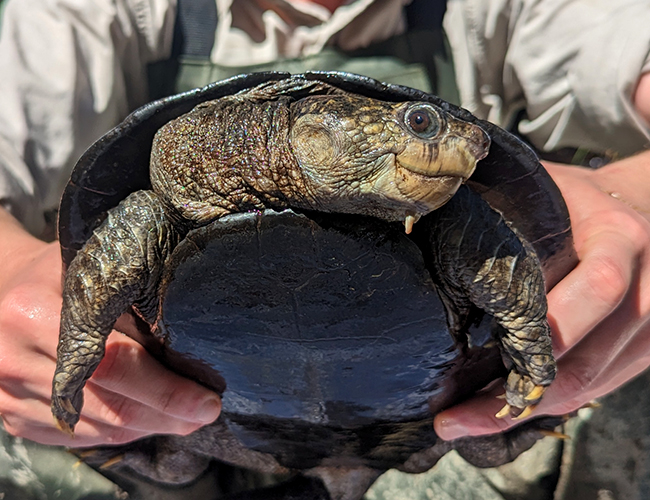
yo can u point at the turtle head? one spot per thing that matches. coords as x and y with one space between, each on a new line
395 161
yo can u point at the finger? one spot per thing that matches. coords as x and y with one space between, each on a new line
593 290
131 370
589 368
24 371
600 365
116 410
127 369
31 418
597 366
634 365
634 359
95 436
88 432
101 405
26 416
474 417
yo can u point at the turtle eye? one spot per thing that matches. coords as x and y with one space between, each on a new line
423 121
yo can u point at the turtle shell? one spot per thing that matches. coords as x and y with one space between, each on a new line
325 334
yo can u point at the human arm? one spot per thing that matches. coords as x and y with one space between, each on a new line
130 396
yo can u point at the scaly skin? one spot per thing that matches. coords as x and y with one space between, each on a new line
249 151
482 261
101 283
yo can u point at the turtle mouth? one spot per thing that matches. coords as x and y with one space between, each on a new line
458 167
425 191
453 155
456 170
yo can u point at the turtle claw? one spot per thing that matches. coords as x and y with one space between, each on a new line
509 410
112 461
66 404
522 392
503 412
522 396
517 410
536 393
525 413
64 426
66 415
83 454
554 434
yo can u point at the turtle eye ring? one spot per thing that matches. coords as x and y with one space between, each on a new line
423 121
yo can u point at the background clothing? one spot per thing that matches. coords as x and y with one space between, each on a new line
72 69
572 65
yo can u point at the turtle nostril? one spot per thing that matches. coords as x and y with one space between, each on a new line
479 142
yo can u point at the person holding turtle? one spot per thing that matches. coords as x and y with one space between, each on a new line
579 92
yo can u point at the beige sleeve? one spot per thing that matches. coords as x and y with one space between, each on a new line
573 65
71 70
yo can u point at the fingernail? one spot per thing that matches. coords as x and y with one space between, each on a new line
449 428
209 411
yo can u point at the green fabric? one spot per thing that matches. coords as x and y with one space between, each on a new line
2 8
421 60
29 471
196 73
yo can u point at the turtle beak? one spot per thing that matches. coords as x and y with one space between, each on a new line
430 172
454 153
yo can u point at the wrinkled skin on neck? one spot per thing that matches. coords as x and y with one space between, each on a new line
334 153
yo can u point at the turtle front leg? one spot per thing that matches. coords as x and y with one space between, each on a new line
119 265
526 335
478 257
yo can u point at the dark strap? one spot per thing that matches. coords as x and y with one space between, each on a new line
195 32
425 14
195 28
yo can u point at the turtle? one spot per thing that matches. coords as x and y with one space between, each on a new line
339 258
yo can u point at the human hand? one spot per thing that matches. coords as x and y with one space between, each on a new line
600 312
130 395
